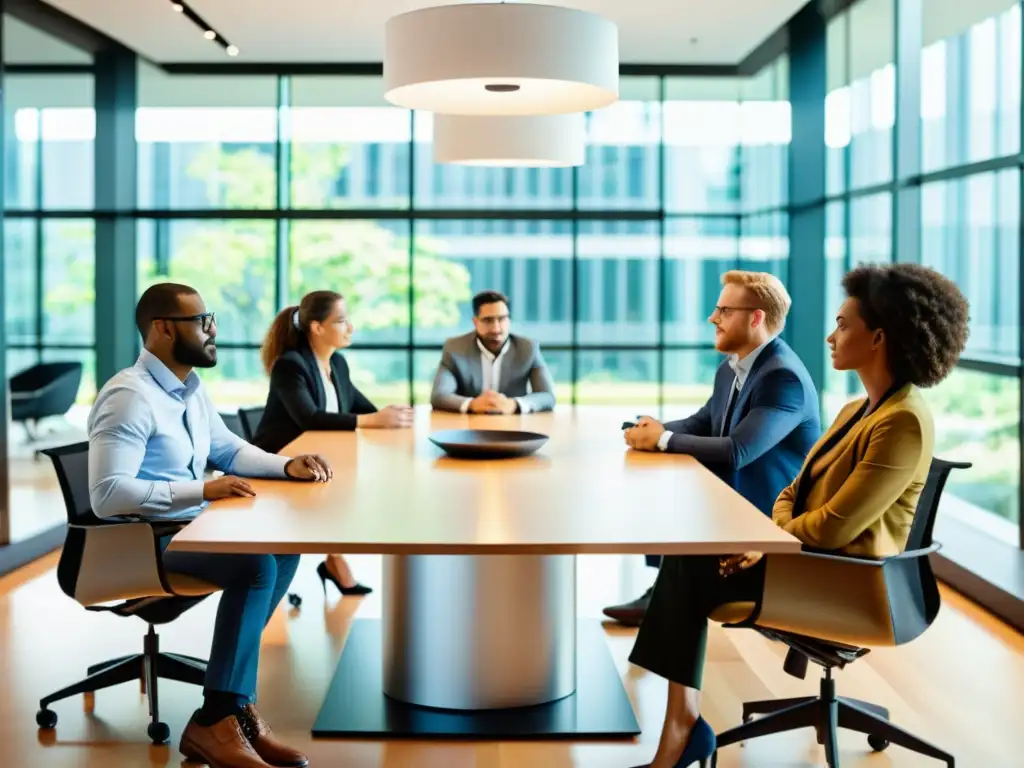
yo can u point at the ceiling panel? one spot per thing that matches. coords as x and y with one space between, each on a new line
317 31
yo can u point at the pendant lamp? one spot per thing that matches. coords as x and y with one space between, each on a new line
501 59
538 141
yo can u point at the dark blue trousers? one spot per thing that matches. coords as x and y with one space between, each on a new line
253 586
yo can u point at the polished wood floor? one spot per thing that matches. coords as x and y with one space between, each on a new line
961 685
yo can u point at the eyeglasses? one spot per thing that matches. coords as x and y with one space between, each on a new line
726 310
207 320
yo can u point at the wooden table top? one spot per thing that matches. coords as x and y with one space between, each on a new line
584 491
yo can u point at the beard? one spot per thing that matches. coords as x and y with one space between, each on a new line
194 355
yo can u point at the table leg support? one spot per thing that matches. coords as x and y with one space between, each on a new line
471 632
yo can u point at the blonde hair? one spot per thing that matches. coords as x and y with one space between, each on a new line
768 292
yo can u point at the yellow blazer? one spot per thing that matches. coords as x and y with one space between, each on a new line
864 490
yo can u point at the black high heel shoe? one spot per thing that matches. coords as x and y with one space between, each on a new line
325 575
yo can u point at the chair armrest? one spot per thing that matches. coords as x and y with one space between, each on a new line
117 561
913 554
827 597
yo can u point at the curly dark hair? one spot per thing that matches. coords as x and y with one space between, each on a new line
922 312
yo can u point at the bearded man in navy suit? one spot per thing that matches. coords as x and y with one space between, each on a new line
763 415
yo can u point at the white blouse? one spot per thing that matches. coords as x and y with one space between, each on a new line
331 406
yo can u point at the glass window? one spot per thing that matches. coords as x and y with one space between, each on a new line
837 102
50 136
617 282
764 244
21 281
976 419
349 147
18 359
698 252
970 82
621 169
872 91
871 229
238 379
464 187
368 263
624 378
205 141
702 127
970 231
689 379
529 261
381 375
836 382
764 137
69 277
231 263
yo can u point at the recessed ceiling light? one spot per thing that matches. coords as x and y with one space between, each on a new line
178 7
210 34
232 50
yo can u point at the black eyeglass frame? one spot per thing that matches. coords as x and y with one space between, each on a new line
207 319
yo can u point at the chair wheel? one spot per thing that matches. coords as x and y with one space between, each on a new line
158 733
294 599
877 743
46 718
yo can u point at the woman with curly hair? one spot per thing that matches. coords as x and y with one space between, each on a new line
902 327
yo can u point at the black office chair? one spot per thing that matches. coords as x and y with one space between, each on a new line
116 559
44 390
250 418
234 422
845 605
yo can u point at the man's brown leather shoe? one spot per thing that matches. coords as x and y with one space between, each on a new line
266 746
221 745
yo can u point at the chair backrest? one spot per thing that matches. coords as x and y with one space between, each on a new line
250 418
105 560
928 504
71 463
42 374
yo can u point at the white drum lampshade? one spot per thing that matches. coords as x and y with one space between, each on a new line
539 141
501 59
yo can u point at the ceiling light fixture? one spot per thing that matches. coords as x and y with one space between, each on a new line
511 141
501 59
208 31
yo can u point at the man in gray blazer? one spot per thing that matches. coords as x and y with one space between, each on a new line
490 370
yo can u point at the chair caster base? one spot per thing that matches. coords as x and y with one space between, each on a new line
158 733
877 743
46 719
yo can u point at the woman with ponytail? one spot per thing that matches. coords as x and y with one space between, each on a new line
310 389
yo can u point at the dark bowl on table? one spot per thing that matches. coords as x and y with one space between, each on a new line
487 443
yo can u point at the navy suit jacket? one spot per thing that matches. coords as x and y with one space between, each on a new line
774 424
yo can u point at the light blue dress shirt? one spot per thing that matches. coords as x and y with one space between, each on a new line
151 438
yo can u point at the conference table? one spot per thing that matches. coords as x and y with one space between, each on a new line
479 635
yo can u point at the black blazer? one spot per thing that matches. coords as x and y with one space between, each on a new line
296 401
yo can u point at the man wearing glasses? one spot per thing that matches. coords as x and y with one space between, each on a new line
153 431
762 418
491 370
